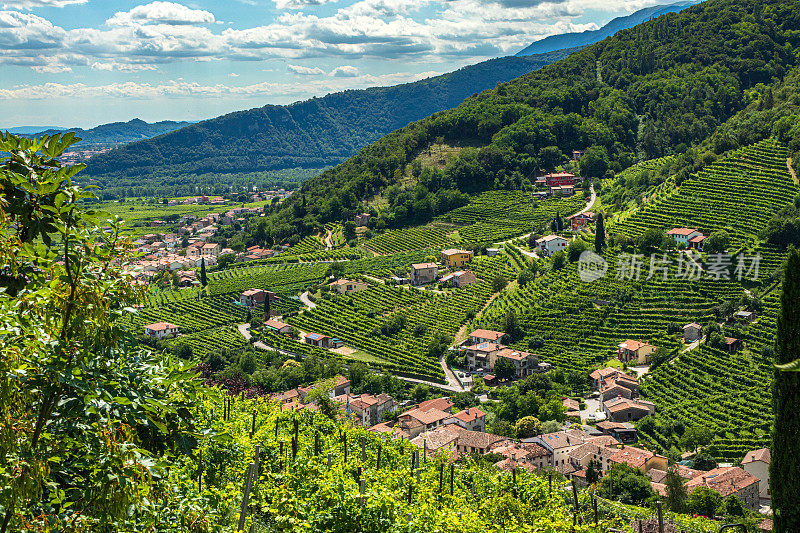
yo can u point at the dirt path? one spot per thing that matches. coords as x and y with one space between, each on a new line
307 301
329 239
461 334
791 170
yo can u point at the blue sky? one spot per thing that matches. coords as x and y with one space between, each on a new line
87 62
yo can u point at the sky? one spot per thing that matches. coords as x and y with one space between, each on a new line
80 63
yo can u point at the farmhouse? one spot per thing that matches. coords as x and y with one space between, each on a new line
159 330
581 220
637 352
551 244
253 297
193 250
756 463
559 178
481 355
461 278
456 258
362 219
683 235
277 326
730 480
485 335
697 241
611 383
345 286
422 273
319 340
692 332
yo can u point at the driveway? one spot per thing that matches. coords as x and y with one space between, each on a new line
307 301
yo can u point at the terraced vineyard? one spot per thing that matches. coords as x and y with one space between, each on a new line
498 215
738 193
308 244
212 340
290 278
404 240
191 316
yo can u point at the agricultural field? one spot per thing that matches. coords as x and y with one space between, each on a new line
739 193
404 240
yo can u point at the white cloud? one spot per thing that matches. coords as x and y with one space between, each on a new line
345 71
50 69
305 71
122 67
299 4
183 89
30 4
161 13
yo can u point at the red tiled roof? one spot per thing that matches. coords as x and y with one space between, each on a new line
487 334
470 414
420 266
442 404
510 353
762 455
681 231
160 326
724 480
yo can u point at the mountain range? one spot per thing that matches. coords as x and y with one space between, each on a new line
109 135
585 38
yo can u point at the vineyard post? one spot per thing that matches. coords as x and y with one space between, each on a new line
280 457
514 480
410 491
660 517
452 475
550 484
256 460
294 447
594 506
296 430
641 527
277 424
246 497
344 436
361 488
330 458
575 495
200 472
425 450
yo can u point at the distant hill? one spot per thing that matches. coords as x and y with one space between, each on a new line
112 134
25 130
567 40
312 134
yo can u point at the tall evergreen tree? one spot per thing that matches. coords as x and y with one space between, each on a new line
600 234
784 470
203 278
676 491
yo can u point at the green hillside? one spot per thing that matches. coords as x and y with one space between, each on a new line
315 133
649 91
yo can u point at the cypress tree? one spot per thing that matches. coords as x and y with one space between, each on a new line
203 279
784 470
600 234
676 491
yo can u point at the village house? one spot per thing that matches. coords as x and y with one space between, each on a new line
559 178
643 460
435 443
558 444
472 418
442 404
627 410
523 362
456 258
481 355
369 409
418 420
460 278
683 235
193 251
528 455
636 352
551 244
422 273
622 431
611 382
581 220
345 286
692 332
583 454
277 326
472 441
573 408
253 297
159 330
727 481
212 249
485 335
756 463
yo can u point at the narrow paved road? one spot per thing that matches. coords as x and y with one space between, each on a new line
307 301
452 380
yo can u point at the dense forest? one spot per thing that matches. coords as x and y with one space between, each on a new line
315 133
585 38
657 89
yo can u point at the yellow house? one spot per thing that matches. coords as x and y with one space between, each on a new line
456 258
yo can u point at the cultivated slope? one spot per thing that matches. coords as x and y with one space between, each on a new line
310 134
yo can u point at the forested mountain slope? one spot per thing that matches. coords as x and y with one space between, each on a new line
585 38
114 133
649 91
311 134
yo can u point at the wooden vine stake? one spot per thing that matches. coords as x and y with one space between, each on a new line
246 496
514 480
316 442
200 472
452 475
